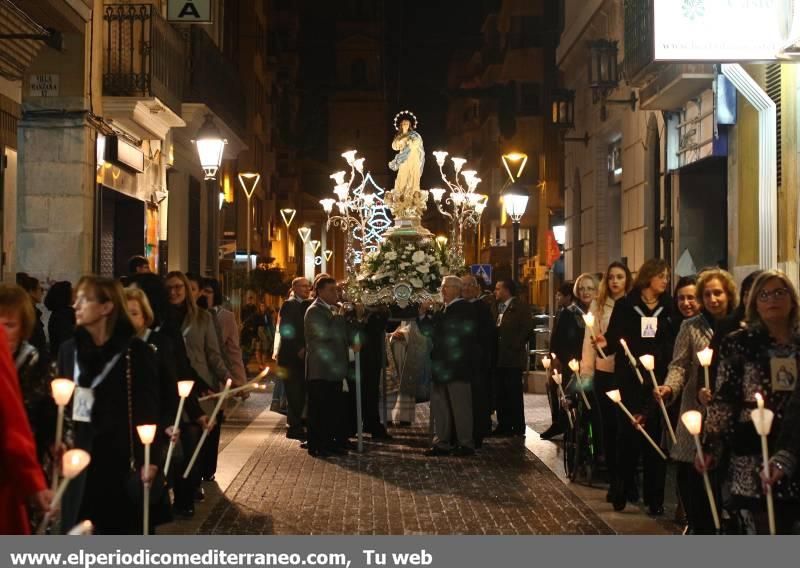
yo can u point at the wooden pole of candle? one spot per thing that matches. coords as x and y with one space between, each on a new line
632 360
204 435
184 389
762 420
648 362
615 396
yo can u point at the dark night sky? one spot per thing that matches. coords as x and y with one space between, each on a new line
420 40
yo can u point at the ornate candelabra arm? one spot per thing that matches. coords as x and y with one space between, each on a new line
445 180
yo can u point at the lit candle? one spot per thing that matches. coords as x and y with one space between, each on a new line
576 369
649 363
204 435
588 319
762 420
546 363
705 357
557 380
632 360
62 390
616 398
147 432
72 464
184 389
693 421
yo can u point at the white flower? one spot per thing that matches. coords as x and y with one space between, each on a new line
409 247
418 257
423 268
404 265
391 255
415 282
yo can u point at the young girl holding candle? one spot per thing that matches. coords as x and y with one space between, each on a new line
760 359
616 282
116 389
645 320
685 383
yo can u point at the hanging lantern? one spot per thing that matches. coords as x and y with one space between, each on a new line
210 145
563 108
603 73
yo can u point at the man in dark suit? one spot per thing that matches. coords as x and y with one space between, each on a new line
485 350
514 325
327 366
291 355
453 359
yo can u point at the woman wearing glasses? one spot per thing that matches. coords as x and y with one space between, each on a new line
761 359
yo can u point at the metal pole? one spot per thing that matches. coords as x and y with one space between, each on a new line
249 195
514 238
359 422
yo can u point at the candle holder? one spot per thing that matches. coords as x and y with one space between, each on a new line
204 435
631 360
61 390
762 420
705 357
693 421
575 367
649 363
147 432
72 464
588 319
184 389
616 398
557 380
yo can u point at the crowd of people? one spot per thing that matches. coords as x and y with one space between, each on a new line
754 339
125 349
126 344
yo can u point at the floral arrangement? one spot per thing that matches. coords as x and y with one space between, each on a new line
420 263
406 203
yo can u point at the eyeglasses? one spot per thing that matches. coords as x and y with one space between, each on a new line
777 294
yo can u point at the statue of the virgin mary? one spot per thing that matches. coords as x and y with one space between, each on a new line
407 200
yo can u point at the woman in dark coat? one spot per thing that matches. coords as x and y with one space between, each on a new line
645 319
61 325
116 390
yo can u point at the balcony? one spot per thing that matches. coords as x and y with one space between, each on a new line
142 69
663 86
211 79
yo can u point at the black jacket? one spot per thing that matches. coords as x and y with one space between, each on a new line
568 334
455 338
60 327
487 336
291 328
625 323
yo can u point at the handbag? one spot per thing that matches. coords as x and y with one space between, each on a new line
160 507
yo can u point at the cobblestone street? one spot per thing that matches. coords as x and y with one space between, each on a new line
390 489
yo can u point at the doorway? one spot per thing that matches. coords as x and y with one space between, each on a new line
703 212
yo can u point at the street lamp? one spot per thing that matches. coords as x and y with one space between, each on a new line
515 201
604 76
210 145
514 163
249 181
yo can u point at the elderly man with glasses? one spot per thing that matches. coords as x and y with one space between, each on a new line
453 362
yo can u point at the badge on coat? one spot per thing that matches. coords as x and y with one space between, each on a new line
784 373
649 327
82 403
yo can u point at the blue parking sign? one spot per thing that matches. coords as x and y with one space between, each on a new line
482 272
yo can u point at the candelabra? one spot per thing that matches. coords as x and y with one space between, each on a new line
462 207
353 210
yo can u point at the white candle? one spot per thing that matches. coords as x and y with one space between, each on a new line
762 420
649 363
616 397
62 390
184 389
204 435
546 363
705 357
72 464
576 369
557 380
588 319
693 421
147 432
632 360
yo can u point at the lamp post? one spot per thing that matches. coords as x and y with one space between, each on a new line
463 207
249 182
210 147
515 201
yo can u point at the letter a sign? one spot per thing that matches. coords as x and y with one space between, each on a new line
189 11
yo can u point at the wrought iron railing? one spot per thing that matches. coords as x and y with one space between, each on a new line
639 46
213 80
143 55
